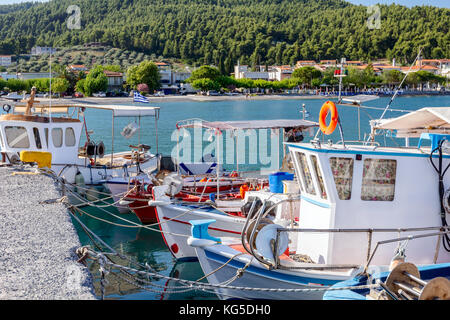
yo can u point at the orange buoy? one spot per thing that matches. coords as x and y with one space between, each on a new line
328 106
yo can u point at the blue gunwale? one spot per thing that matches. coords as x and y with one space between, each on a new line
279 276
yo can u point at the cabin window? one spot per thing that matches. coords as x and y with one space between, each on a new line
46 136
378 182
57 137
70 137
305 173
37 138
318 173
17 137
296 166
342 169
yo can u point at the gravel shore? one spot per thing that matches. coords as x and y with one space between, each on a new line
38 243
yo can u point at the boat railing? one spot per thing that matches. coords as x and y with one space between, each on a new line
254 220
370 232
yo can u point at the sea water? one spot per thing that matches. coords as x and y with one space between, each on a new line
146 245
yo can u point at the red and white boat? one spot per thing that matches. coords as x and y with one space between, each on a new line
193 191
230 215
174 215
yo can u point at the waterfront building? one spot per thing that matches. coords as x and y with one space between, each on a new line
243 72
279 73
5 60
115 80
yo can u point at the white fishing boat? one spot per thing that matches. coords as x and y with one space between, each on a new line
174 215
51 135
363 207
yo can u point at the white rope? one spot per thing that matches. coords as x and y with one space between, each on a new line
310 288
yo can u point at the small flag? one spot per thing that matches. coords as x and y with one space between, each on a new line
139 97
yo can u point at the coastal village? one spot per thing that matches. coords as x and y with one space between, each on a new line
184 152
174 81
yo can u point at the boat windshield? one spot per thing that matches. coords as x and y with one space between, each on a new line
17 137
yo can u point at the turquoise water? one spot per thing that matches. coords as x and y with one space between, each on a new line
147 246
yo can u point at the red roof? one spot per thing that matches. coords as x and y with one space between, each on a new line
113 73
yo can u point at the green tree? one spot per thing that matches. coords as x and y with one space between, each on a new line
60 85
306 75
146 72
205 72
95 81
392 77
205 84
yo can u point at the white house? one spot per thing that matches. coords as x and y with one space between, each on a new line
5 61
37 51
242 72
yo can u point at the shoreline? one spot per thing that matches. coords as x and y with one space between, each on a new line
194 98
197 98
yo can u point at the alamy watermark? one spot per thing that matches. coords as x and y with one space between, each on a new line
259 147
374 20
74 20
249 147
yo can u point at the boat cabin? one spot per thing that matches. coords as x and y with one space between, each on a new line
359 188
58 135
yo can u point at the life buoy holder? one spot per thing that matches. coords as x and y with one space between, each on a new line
328 106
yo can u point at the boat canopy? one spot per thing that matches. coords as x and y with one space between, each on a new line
118 110
124 110
432 120
361 98
245 125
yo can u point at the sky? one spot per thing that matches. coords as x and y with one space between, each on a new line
409 3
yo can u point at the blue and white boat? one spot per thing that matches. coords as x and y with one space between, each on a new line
354 199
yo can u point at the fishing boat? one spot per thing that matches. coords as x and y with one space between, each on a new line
51 135
229 212
129 191
194 189
353 195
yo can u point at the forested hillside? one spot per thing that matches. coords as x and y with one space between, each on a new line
222 31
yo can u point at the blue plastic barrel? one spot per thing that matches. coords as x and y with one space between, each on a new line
276 181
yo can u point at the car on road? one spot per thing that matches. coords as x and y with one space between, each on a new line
99 94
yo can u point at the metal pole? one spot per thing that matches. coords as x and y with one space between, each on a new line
139 133
218 163
156 126
112 140
235 150
178 151
359 123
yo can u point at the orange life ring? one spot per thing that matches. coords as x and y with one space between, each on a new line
328 106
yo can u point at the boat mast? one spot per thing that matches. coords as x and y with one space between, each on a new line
50 107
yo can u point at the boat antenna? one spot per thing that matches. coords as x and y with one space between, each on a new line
50 109
400 85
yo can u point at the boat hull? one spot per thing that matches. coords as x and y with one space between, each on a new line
216 260
175 226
